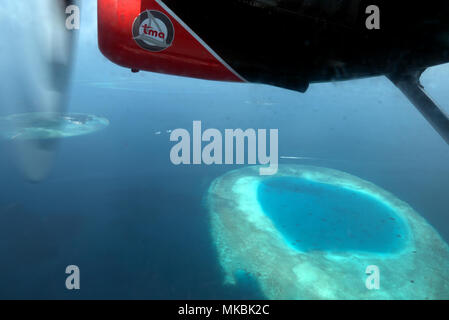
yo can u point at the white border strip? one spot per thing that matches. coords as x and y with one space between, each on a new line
199 40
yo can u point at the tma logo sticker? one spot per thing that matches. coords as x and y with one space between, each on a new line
153 31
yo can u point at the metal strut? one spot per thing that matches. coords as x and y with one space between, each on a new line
410 85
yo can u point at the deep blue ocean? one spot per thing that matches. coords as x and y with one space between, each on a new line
137 225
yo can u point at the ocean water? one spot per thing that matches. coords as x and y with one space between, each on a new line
137 226
317 216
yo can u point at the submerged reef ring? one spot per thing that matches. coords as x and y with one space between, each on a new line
47 125
311 232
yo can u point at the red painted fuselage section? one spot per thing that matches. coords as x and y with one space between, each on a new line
187 55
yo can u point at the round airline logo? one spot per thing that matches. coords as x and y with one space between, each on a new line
153 31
